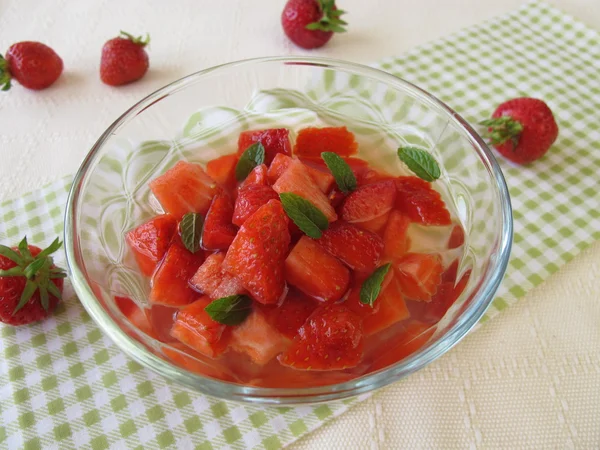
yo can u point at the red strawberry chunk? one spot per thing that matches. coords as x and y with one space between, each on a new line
195 328
258 339
395 239
292 314
297 180
183 189
210 279
150 241
359 249
419 275
418 200
250 198
170 282
258 175
414 336
366 176
311 142
218 231
368 203
323 179
258 252
183 356
222 170
457 237
316 272
275 141
331 339
135 315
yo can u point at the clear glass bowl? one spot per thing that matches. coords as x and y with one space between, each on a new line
199 117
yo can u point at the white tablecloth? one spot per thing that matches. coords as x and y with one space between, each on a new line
531 377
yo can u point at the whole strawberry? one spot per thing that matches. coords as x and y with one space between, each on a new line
311 23
33 64
30 284
124 59
522 129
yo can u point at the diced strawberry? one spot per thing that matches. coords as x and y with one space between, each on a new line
451 272
135 315
395 238
275 141
315 272
258 175
258 339
414 336
353 300
250 198
457 237
183 189
162 319
369 202
418 200
210 279
331 339
150 241
218 231
368 176
359 249
419 275
292 314
336 197
183 356
170 281
297 180
258 252
311 142
195 328
222 170
322 179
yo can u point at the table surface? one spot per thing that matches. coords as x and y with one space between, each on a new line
528 378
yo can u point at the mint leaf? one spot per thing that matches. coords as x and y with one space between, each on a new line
420 162
190 228
344 177
372 285
253 156
231 310
304 214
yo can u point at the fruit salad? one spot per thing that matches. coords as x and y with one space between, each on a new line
292 262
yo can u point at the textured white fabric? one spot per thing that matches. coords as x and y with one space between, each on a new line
529 378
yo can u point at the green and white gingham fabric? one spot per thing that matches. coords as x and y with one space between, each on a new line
63 384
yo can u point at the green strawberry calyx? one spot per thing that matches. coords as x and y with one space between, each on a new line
330 21
39 271
139 40
4 74
501 129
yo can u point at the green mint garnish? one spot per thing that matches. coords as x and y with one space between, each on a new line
190 228
344 177
231 310
372 285
304 214
420 162
253 156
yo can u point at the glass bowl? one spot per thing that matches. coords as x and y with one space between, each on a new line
199 118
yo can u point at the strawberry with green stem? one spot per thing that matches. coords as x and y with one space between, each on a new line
30 284
311 23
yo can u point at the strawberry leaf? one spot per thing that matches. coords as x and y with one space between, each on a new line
24 248
33 268
344 177
9 253
304 214
231 310
253 156
4 74
372 286
28 291
54 290
190 228
420 162
44 297
56 244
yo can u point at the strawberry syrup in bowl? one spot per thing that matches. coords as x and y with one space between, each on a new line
288 230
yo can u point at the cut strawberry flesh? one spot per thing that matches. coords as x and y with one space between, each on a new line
395 238
218 232
331 339
418 200
135 315
457 237
222 171
297 180
291 315
183 189
211 280
320 176
311 142
183 356
250 198
150 241
316 272
258 175
359 249
368 203
419 275
414 336
258 339
274 141
170 281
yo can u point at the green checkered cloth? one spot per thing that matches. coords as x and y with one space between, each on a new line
63 384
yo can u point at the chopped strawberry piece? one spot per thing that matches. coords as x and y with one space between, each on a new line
135 315
150 241
250 198
292 314
414 336
396 241
369 202
358 165
210 279
322 179
274 141
457 237
162 319
258 339
170 282
315 272
297 180
359 249
311 142
368 176
375 225
451 273
258 175
183 356
353 300
222 170
218 231
258 252
331 339
183 189
336 197
418 200
419 275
